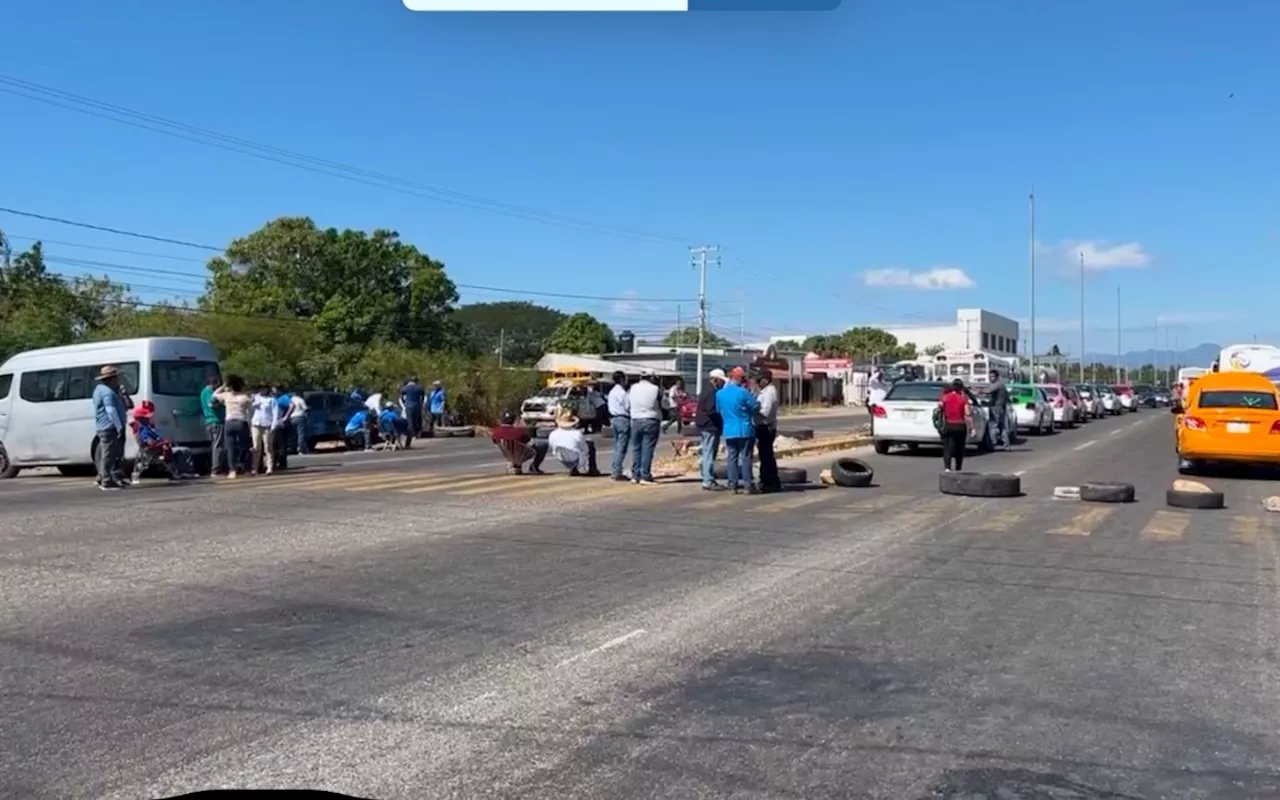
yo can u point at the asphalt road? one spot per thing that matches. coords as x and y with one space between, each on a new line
405 632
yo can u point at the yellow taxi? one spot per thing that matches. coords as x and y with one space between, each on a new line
1228 417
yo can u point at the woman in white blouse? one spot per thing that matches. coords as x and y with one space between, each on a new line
239 405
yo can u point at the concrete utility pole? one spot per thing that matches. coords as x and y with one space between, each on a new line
4 250
1082 316
1119 379
502 345
1032 259
702 256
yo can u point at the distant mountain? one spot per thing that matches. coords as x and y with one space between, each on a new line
1199 356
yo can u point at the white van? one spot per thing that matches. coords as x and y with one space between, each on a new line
46 415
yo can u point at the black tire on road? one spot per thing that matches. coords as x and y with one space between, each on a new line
78 470
799 434
1195 500
986 445
851 473
882 448
7 470
980 484
789 475
1107 492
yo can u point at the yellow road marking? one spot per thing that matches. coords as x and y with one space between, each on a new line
1165 526
1246 529
291 482
790 500
480 481
1003 521
866 505
392 484
718 500
591 491
1083 522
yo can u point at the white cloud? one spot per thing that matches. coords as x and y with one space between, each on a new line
1098 255
936 279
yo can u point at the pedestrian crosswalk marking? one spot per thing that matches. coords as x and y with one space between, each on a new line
1083 522
717 501
263 482
930 509
1003 521
1165 526
1246 529
796 499
521 486
391 484
454 482
576 489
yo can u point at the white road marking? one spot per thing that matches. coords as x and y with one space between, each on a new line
609 645
1089 443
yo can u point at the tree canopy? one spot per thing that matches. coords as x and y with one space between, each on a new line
861 344
519 328
688 337
581 333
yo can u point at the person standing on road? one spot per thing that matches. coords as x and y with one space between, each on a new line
1001 414
957 422
675 398
109 415
646 400
766 430
619 405
298 422
266 418
239 408
877 390
435 404
412 397
710 426
737 407
215 420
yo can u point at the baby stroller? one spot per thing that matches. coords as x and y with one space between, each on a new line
154 450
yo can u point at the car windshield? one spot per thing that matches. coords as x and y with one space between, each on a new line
552 391
915 392
1264 401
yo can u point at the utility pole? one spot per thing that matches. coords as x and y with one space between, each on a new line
1119 379
502 345
742 326
4 250
1082 316
1032 259
1155 355
702 256
679 330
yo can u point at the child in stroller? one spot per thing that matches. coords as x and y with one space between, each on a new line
155 449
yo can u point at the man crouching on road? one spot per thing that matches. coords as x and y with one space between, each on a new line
571 447
518 446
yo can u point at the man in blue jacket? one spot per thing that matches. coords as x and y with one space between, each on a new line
737 407
435 405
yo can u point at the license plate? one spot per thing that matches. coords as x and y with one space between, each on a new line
909 413
1237 427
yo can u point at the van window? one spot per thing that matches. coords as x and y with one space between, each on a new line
181 378
6 381
72 383
1259 400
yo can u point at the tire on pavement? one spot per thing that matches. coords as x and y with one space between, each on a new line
789 475
7 469
1107 492
980 484
851 473
799 434
1195 500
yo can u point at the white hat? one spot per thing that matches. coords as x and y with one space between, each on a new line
646 373
717 374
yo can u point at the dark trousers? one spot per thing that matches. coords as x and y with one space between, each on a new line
769 480
954 439
217 448
413 415
540 450
236 432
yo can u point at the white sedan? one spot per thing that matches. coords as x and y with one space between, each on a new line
906 417
1031 409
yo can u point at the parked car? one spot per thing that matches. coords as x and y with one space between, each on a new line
1064 409
906 417
1090 399
1163 396
1077 403
1128 401
1032 410
1110 402
327 415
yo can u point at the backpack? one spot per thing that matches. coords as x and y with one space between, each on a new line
939 422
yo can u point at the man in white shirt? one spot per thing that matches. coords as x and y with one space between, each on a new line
877 389
766 423
571 448
619 404
298 421
647 401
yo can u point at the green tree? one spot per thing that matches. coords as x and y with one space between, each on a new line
689 337
824 345
518 327
356 288
934 349
580 333
789 346
865 343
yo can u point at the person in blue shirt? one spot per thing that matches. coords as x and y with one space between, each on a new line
357 431
392 427
109 418
737 407
412 396
435 404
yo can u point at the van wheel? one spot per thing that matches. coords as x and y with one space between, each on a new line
7 470
77 470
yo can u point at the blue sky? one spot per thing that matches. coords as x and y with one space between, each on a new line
857 165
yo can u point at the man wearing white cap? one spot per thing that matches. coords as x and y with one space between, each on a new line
710 426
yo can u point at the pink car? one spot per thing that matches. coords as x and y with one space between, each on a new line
1064 408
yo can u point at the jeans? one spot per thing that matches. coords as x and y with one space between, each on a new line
236 432
621 427
738 461
359 439
413 414
110 453
217 447
300 431
769 479
710 445
644 441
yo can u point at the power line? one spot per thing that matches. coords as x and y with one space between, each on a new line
179 130
103 228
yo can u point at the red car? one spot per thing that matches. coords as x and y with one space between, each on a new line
688 410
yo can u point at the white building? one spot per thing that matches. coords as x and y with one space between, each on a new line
974 329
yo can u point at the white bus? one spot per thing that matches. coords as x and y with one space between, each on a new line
46 415
1261 358
974 367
